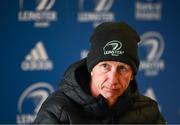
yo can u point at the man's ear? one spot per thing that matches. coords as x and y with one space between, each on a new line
132 77
91 73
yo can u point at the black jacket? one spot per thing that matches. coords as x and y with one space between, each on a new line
73 103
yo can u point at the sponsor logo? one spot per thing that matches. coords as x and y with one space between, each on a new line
84 53
37 59
41 13
31 100
150 93
100 13
152 63
113 48
148 10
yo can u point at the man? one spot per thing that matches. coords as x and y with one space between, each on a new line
102 88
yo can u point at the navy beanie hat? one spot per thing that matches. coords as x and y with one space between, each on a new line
114 41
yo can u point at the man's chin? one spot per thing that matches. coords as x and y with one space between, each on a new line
109 95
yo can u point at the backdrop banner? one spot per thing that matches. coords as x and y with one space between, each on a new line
41 38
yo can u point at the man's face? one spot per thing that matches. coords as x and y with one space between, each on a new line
110 79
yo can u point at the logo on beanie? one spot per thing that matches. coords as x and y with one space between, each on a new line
113 48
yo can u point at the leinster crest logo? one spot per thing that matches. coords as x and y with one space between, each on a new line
113 48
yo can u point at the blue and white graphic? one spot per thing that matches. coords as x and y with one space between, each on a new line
40 12
37 59
99 13
148 10
154 44
84 53
34 95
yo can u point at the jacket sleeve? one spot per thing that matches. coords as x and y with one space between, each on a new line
51 111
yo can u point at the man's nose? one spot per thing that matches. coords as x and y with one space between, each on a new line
113 78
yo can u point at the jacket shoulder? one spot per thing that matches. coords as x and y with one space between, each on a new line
144 100
146 104
147 109
52 111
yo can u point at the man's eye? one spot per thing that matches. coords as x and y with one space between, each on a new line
105 66
123 69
